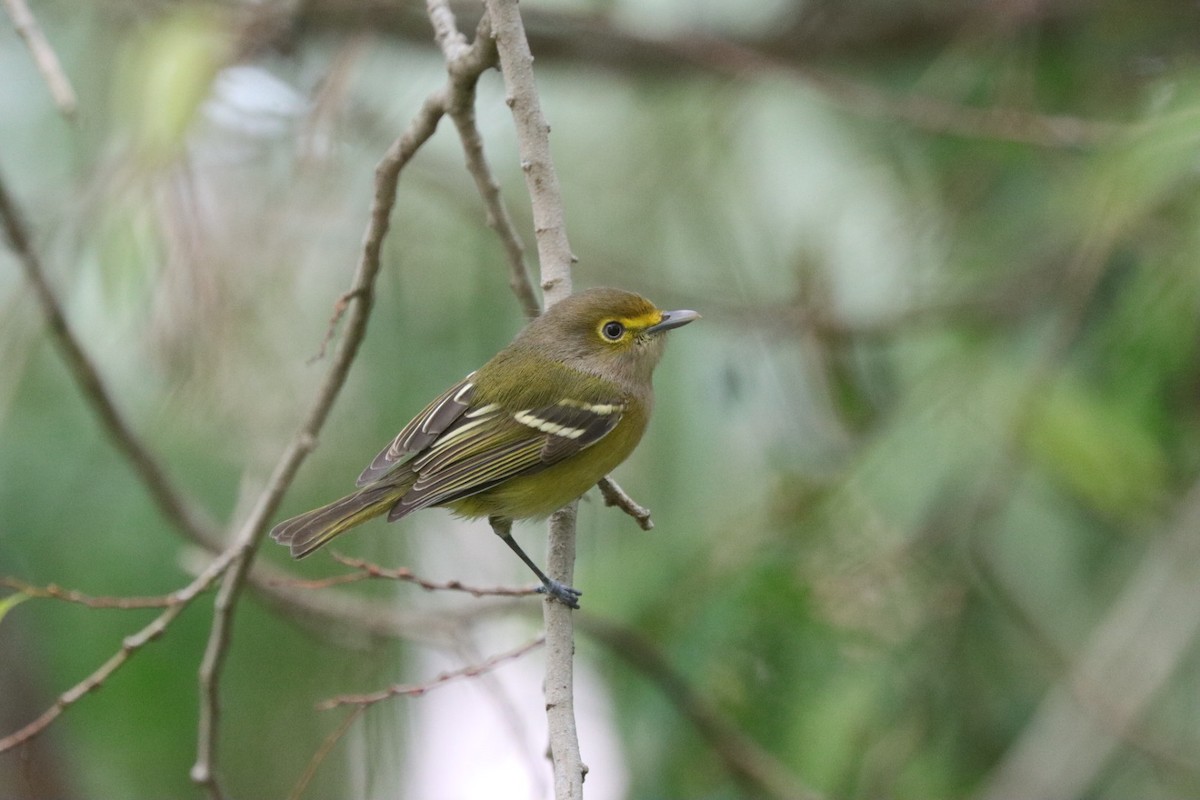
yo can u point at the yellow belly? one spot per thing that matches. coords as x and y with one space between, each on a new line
540 494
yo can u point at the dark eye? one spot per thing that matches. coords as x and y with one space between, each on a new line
613 330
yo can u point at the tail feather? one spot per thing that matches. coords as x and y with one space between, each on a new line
313 529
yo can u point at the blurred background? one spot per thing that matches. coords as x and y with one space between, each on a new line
925 479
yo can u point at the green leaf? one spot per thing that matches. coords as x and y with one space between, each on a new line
11 602
1098 449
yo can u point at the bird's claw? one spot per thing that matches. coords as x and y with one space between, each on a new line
561 592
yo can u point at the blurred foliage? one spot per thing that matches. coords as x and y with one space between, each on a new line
941 408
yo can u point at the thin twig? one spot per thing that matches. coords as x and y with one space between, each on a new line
615 496
55 592
326 747
462 113
1133 651
43 54
339 310
555 257
129 646
367 569
533 144
414 690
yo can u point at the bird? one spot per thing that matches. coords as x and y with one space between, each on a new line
522 436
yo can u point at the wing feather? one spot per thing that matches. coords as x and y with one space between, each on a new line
423 430
476 454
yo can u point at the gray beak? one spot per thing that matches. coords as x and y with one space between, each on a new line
672 319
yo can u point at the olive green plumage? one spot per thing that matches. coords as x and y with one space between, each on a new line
525 434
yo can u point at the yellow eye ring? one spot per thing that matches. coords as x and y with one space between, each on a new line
612 330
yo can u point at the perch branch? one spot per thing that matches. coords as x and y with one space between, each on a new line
555 257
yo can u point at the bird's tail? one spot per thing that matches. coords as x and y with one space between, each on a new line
312 529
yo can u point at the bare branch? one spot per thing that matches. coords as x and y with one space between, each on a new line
462 113
56 592
130 646
43 54
414 690
533 143
554 254
464 71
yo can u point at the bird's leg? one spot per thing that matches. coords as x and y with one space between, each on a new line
502 527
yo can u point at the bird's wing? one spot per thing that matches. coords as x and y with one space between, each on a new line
423 430
489 445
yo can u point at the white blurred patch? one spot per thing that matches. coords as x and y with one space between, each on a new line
249 101
486 736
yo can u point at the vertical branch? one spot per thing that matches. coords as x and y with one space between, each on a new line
554 253
533 143
463 64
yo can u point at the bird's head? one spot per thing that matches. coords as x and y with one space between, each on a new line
610 332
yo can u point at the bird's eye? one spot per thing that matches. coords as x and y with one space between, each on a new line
613 330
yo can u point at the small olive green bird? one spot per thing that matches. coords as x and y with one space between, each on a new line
525 434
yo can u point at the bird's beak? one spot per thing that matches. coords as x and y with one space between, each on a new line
672 319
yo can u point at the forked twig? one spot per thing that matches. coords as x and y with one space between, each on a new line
129 646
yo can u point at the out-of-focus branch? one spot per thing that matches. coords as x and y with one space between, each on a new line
176 508
1131 655
415 690
326 747
555 257
762 773
793 47
361 702
43 54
